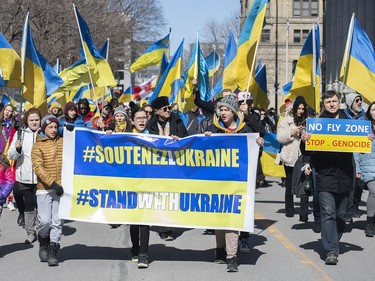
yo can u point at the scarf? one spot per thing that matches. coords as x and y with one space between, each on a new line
120 127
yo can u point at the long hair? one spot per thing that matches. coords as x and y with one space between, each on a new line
368 115
4 162
2 117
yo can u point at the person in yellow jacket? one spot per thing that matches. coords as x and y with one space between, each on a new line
46 157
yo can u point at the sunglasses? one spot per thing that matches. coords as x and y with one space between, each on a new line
166 108
358 100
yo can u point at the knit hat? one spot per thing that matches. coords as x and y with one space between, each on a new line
242 96
53 105
231 102
297 102
349 99
120 109
68 106
46 120
160 102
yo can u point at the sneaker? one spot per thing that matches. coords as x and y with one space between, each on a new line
232 265
142 261
244 246
331 259
135 258
220 256
209 232
166 236
11 207
21 220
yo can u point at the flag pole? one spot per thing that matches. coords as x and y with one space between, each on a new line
252 67
84 51
348 46
23 57
213 74
196 57
314 63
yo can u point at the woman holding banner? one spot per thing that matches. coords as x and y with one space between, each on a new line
229 122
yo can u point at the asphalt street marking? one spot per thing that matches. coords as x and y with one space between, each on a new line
291 247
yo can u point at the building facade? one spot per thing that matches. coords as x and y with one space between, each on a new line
288 23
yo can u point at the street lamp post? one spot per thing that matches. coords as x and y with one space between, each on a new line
276 55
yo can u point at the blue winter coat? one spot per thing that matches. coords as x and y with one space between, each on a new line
78 122
365 164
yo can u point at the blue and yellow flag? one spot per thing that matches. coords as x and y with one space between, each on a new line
10 65
197 69
227 79
358 65
306 81
162 68
169 84
77 76
213 63
7 99
127 95
100 70
258 88
247 44
38 77
152 56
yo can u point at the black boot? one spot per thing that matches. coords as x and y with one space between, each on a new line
370 227
52 253
43 248
21 219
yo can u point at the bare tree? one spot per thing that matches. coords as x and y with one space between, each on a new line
218 31
55 30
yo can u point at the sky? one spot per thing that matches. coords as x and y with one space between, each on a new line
187 17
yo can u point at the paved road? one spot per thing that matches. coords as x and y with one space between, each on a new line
282 249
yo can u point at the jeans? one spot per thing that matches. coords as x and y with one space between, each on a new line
333 208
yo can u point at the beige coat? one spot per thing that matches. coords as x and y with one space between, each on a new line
290 151
46 156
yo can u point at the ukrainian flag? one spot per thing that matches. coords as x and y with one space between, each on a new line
77 76
127 95
163 67
152 55
306 81
358 65
197 69
248 42
170 80
227 79
259 87
99 67
270 148
38 77
10 65
213 63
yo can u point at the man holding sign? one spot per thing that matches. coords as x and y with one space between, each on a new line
334 181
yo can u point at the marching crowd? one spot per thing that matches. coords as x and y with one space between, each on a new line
31 163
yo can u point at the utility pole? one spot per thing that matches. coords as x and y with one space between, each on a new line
276 56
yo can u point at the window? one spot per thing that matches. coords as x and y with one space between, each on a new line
300 35
268 12
265 37
305 8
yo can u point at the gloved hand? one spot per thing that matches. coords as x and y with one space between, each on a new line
58 188
69 127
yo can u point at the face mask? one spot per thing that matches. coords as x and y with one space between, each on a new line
262 117
218 112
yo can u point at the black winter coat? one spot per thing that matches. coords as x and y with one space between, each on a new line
177 127
334 170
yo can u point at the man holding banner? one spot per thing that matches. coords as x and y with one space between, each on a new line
332 159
